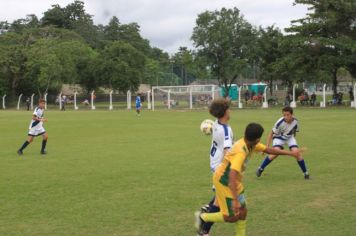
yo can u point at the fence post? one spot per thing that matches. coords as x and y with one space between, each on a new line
240 103
293 104
92 100
323 103
169 99
128 100
3 102
153 99
149 100
18 102
354 101
45 98
32 101
75 101
190 98
60 101
110 106
265 102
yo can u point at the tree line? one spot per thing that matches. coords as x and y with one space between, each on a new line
65 46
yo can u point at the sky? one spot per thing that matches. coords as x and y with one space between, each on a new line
167 24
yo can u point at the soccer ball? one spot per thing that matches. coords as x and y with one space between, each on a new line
207 127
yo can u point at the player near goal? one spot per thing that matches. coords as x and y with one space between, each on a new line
36 128
138 105
228 180
284 132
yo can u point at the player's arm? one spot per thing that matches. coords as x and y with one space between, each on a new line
273 151
36 118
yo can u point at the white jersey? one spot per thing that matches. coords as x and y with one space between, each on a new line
222 139
283 130
36 127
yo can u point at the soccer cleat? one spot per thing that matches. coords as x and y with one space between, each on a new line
199 223
259 172
19 152
205 208
43 152
306 176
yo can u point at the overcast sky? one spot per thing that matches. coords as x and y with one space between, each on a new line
168 24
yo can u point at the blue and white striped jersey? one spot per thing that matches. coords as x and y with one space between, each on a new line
38 112
222 139
283 130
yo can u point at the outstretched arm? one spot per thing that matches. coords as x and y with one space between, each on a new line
281 152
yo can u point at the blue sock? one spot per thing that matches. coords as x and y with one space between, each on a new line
302 166
265 163
207 225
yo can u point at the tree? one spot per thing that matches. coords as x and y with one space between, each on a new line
183 59
122 67
224 38
329 31
269 43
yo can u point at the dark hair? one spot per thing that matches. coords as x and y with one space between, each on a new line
253 131
41 100
288 109
218 107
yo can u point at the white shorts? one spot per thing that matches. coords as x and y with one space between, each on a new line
291 142
36 131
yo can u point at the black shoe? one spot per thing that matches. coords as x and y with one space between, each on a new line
259 172
306 176
43 152
199 223
19 152
205 208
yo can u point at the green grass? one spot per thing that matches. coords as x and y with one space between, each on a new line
112 173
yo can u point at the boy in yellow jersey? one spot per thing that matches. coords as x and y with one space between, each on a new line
228 180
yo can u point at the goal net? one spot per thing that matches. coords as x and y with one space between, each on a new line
184 97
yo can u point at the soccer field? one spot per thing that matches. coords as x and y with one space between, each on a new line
112 173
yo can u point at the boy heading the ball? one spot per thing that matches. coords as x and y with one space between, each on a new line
228 180
36 128
284 132
222 140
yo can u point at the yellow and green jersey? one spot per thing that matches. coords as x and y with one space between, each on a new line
236 159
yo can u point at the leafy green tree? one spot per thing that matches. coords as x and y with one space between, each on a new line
183 59
329 32
269 52
122 67
224 38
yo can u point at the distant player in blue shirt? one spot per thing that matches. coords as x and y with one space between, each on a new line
138 105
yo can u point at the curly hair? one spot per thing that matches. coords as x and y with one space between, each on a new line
218 107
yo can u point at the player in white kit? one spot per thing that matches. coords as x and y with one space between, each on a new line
36 128
222 140
284 132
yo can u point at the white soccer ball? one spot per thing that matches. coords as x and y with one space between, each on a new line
207 127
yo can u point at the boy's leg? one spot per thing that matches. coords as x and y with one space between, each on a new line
292 143
213 208
25 144
242 222
302 165
44 143
278 144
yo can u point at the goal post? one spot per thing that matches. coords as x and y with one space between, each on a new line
183 97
